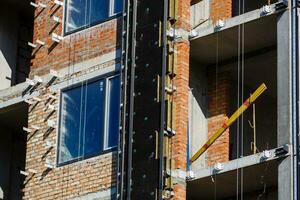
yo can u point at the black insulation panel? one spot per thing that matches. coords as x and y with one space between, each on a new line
147 110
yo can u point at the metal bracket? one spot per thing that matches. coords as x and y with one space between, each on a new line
170 132
178 34
283 4
171 89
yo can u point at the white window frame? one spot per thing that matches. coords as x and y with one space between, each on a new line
106 114
111 14
105 149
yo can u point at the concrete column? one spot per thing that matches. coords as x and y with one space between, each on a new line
283 104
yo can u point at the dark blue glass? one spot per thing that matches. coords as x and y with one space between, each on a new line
94 118
70 124
118 6
84 112
99 10
113 111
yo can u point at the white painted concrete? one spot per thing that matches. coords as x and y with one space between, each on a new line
200 13
197 130
198 109
8 46
1 193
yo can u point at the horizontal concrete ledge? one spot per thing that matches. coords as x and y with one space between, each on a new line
240 163
14 95
17 94
232 22
101 195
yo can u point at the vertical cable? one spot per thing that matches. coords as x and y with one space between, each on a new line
238 103
242 97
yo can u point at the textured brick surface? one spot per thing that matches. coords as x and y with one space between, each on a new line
64 182
220 9
80 178
219 96
74 48
219 151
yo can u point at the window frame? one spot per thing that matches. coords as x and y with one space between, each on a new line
111 15
104 150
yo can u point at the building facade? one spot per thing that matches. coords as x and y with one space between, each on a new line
112 99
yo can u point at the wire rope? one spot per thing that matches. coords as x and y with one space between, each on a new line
216 94
238 103
216 98
242 96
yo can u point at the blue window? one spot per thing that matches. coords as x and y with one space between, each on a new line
84 13
89 119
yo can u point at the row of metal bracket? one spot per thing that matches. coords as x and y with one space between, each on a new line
55 37
34 84
173 36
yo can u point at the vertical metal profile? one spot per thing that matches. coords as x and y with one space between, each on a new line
163 107
133 15
295 95
121 168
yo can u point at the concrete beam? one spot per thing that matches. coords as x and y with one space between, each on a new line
238 163
232 22
17 94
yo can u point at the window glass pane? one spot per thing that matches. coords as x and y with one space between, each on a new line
87 118
81 13
113 111
98 10
76 14
118 6
70 124
94 118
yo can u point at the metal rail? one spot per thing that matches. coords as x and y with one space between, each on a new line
121 167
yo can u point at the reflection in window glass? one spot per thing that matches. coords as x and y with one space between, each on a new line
118 6
76 14
99 10
94 118
89 114
84 13
70 126
113 111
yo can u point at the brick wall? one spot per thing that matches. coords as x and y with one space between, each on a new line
218 108
64 182
181 96
80 178
68 181
220 9
74 48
